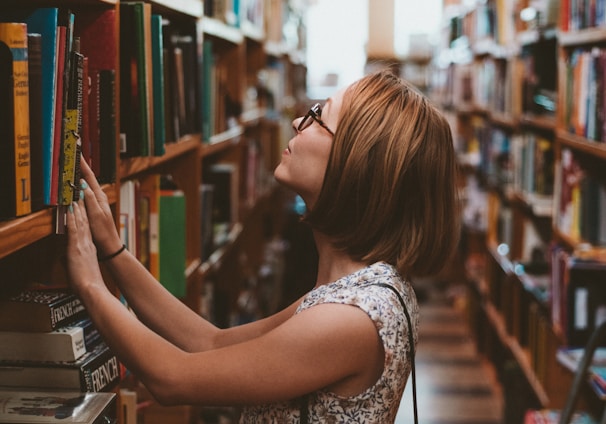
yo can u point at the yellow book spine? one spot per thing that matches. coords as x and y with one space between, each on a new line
70 143
15 37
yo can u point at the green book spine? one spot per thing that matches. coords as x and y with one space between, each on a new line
172 241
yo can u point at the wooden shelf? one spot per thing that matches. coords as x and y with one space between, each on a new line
223 141
219 30
585 36
132 166
576 142
21 232
193 8
542 122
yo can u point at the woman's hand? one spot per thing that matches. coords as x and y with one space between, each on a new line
100 218
82 265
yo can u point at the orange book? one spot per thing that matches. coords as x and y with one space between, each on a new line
13 40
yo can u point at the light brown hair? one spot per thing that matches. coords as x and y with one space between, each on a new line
389 193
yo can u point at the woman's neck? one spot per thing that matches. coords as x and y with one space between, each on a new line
332 262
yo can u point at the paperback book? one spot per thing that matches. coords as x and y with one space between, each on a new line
40 310
57 407
95 371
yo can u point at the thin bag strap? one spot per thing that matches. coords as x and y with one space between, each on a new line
304 407
412 349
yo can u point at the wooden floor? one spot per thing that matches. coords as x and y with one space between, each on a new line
454 384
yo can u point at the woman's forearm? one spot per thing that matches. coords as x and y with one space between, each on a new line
157 308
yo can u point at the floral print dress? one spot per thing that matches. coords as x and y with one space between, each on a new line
380 402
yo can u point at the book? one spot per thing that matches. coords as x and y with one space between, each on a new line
206 193
72 143
96 371
128 406
158 86
40 310
207 88
57 407
135 119
63 344
128 215
172 239
107 126
44 21
149 194
34 54
58 115
570 357
225 179
585 299
15 148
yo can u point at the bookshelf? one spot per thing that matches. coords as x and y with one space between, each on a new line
524 98
232 84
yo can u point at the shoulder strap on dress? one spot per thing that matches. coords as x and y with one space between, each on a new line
412 348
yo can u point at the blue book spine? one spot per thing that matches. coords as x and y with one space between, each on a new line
44 22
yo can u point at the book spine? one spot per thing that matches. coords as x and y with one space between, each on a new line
72 144
34 52
102 372
57 130
92 337
14 35
158 86
66 311
107 126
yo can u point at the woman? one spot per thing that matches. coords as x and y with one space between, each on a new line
376 168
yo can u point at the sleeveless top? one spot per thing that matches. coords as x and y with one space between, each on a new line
380 402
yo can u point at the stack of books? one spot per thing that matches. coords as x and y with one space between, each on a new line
48 342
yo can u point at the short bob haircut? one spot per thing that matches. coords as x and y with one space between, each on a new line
389 192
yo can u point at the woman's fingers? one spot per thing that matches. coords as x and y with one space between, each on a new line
88 175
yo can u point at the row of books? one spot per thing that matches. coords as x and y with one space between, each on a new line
48 342
48 60
523 161
581 14
161 104
584 112
237 13
153 220
153 227
580 200
58 80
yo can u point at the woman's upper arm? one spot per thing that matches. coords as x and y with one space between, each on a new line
313 349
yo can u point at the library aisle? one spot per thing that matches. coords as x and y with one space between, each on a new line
454 384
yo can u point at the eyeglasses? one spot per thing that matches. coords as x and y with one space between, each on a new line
314 114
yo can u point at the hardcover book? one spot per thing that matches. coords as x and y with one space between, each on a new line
172 241
57 407
64 344
95 371
15 148
34 54
40 310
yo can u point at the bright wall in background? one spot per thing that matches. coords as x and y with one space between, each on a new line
337 33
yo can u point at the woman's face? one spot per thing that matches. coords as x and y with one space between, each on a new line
305 159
